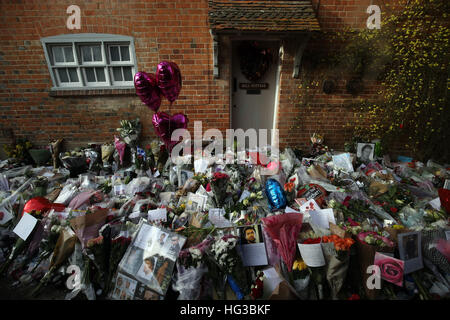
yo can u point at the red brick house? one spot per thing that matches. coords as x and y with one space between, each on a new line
77 84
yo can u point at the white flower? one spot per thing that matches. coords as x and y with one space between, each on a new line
246 202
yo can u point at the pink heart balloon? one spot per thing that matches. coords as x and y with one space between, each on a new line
166 124
147 89
168 76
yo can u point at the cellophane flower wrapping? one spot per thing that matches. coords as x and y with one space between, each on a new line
431 252
283 229
336 267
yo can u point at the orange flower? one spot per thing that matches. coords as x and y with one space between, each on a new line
289 186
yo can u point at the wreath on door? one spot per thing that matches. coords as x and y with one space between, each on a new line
255 60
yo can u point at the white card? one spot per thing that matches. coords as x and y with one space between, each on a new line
319 218
5 215
217 217
271 281
309 205
25 226
157 174
312 254
157 215
436 203
254 254
119 189
447 234
200 165
330 215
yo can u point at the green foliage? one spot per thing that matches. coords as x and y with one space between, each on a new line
409 55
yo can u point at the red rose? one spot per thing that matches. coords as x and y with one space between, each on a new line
1 215
394 210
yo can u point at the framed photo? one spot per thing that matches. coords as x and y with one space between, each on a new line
365 151
195 202
251 246
410 249
151 256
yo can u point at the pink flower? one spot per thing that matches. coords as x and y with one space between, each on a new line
352 222
391 270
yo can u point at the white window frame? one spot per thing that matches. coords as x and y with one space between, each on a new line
78 40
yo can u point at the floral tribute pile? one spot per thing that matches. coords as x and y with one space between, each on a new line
125 220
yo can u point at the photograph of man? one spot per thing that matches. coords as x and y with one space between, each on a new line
174 248
117 293
119 282
249 235
365 152
127 284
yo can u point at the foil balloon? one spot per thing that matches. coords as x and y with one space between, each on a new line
41 205
275 194
166 124
168 76
147 89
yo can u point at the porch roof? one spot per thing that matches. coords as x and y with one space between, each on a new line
259 15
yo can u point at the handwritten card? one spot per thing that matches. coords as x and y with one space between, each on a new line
25 226
312 254
309 205
217 217
157 215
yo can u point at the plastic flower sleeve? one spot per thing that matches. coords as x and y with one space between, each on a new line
188 282
284 229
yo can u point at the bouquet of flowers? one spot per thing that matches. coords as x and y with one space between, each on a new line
368 243
191 269
119 246
257 287
219 184
336 253
129 131
300 277
224 254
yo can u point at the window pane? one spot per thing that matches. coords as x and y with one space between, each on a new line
125 53
114 53
97 53
63 77
73 74
90 76
58 54
127 74
117 73
100 74
86 52
68 53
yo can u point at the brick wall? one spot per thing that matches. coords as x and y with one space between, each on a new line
175 30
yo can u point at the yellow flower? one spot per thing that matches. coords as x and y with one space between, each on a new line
398 226
299 265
